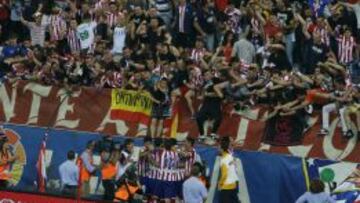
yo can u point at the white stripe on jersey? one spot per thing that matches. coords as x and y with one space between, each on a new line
345 49
73 41
57 26
324 35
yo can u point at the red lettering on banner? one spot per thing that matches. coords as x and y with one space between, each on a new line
88 109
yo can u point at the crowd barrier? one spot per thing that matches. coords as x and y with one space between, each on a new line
123 112
264 177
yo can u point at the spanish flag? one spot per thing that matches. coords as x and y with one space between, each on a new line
171 124
132 106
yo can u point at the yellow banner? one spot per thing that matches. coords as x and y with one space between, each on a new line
132 101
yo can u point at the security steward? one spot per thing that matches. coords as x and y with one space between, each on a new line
109 167
87 168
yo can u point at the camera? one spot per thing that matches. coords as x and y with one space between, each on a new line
107 144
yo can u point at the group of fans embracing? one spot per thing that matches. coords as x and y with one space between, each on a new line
155 173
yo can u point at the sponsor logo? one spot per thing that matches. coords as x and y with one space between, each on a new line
18 150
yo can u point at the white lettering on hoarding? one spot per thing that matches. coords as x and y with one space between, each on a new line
330 151
64 108
121 128
7 103
38 91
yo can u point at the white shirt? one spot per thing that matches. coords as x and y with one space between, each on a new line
194 191
85 33
229 162
309 197
119 40
69 173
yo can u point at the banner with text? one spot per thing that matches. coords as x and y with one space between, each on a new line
93 110
129 105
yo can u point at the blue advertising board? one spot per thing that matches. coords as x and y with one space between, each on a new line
263 177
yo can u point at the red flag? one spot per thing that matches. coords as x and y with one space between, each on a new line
41 167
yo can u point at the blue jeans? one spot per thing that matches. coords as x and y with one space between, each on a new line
289 42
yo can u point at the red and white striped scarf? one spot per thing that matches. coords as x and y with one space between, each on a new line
345 49
73 41
57 25
324 35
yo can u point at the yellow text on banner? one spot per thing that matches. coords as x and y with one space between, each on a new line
131 101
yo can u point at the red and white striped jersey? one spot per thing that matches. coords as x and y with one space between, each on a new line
154 170
57 27
345 49
189 162
143 165
73 41
324 35
112 18
113 80
169 166
196 54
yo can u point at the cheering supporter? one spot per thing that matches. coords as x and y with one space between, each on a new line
166 187
353 108
285 56
188 155
160 109
144 164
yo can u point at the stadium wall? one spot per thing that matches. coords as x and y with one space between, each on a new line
264 177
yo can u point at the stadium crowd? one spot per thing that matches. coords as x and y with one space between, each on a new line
288 55
291 56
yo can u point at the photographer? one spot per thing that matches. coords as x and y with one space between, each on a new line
6 159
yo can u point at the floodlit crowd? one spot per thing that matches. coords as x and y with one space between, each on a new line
292 56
